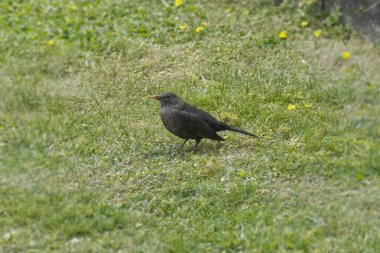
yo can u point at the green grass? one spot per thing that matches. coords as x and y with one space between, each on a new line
87 166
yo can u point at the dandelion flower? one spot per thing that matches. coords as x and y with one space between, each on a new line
199 29
317 33
51 42
291 107
308 105
282 35
178 3
346 55
183 27
304 23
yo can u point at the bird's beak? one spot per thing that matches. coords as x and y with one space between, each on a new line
155 97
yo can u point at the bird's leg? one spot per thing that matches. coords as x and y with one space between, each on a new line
197 141
184 143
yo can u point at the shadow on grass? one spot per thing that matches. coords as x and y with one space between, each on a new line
178 150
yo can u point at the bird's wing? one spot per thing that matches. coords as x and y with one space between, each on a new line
195 125
212 122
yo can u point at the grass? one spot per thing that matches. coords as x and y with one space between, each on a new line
86 165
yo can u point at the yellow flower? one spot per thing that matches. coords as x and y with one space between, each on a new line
203 23
282 35
183 27
291 107
304 23
241 173
178 3
346 55
72 7
317 33
199 29
308 105
51 42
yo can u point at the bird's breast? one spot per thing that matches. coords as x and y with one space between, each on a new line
170 121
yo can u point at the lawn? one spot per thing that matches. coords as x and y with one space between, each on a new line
87 166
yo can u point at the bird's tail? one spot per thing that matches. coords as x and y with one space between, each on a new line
236 129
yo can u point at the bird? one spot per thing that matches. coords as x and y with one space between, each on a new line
188 122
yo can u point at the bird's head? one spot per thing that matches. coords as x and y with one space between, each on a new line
167 98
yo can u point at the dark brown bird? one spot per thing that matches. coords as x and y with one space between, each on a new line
189 122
